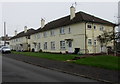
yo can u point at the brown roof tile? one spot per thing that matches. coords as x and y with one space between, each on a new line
21 34
64 21
80 17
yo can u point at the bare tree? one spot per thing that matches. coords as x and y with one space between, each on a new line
105 38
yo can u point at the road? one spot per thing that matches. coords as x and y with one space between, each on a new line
17 71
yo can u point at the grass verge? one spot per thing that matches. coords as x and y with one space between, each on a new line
103 61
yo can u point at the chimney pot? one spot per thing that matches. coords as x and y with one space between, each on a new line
15 32
42 22
25 29
72 12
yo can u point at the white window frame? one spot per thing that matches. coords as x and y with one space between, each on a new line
52 33
38 35
52 45
101 28
94 27
89 41
62 30
62 45
88 26
45 45
45 34
95 42
39 45
69 30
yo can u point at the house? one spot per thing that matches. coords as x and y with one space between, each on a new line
5 40
76 32
20 42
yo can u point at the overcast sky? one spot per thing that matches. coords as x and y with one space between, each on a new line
18 14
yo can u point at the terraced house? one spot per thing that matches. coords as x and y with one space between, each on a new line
76 32
21 41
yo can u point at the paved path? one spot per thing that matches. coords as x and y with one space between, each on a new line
17 71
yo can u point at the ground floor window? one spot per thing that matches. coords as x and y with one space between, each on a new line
53 45
45 45
95 42
62 44
89 41
39 45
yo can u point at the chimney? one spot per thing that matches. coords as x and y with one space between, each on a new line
15 32
42 23
25 29
72 12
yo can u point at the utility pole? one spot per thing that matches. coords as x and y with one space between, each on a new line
4 33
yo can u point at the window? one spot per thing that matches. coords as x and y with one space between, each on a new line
35 36
45 45
89 41
95 42
53 45
52 33
45 34
62 45
39 45
28 37
38 36
89 26
35 45
62 31
94 27
101 28
69 30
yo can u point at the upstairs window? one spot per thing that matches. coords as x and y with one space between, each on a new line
52 33
38 36
62 31
69 30
101 28
45 34
89 26
94 27
35 36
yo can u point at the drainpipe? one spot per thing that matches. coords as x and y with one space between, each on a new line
114 41
93 38
85 40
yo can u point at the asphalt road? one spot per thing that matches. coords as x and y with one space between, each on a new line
17 71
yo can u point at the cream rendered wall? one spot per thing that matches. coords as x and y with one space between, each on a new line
77 34
34 39
15 44
96 32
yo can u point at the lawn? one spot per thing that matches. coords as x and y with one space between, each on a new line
103 61
60 57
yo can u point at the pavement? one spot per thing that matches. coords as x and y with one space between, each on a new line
94 73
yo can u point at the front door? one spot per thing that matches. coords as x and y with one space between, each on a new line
70 46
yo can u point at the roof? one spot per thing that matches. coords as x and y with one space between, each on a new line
21 34
64 21
79 17
6 38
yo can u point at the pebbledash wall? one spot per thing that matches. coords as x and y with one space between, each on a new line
81 34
